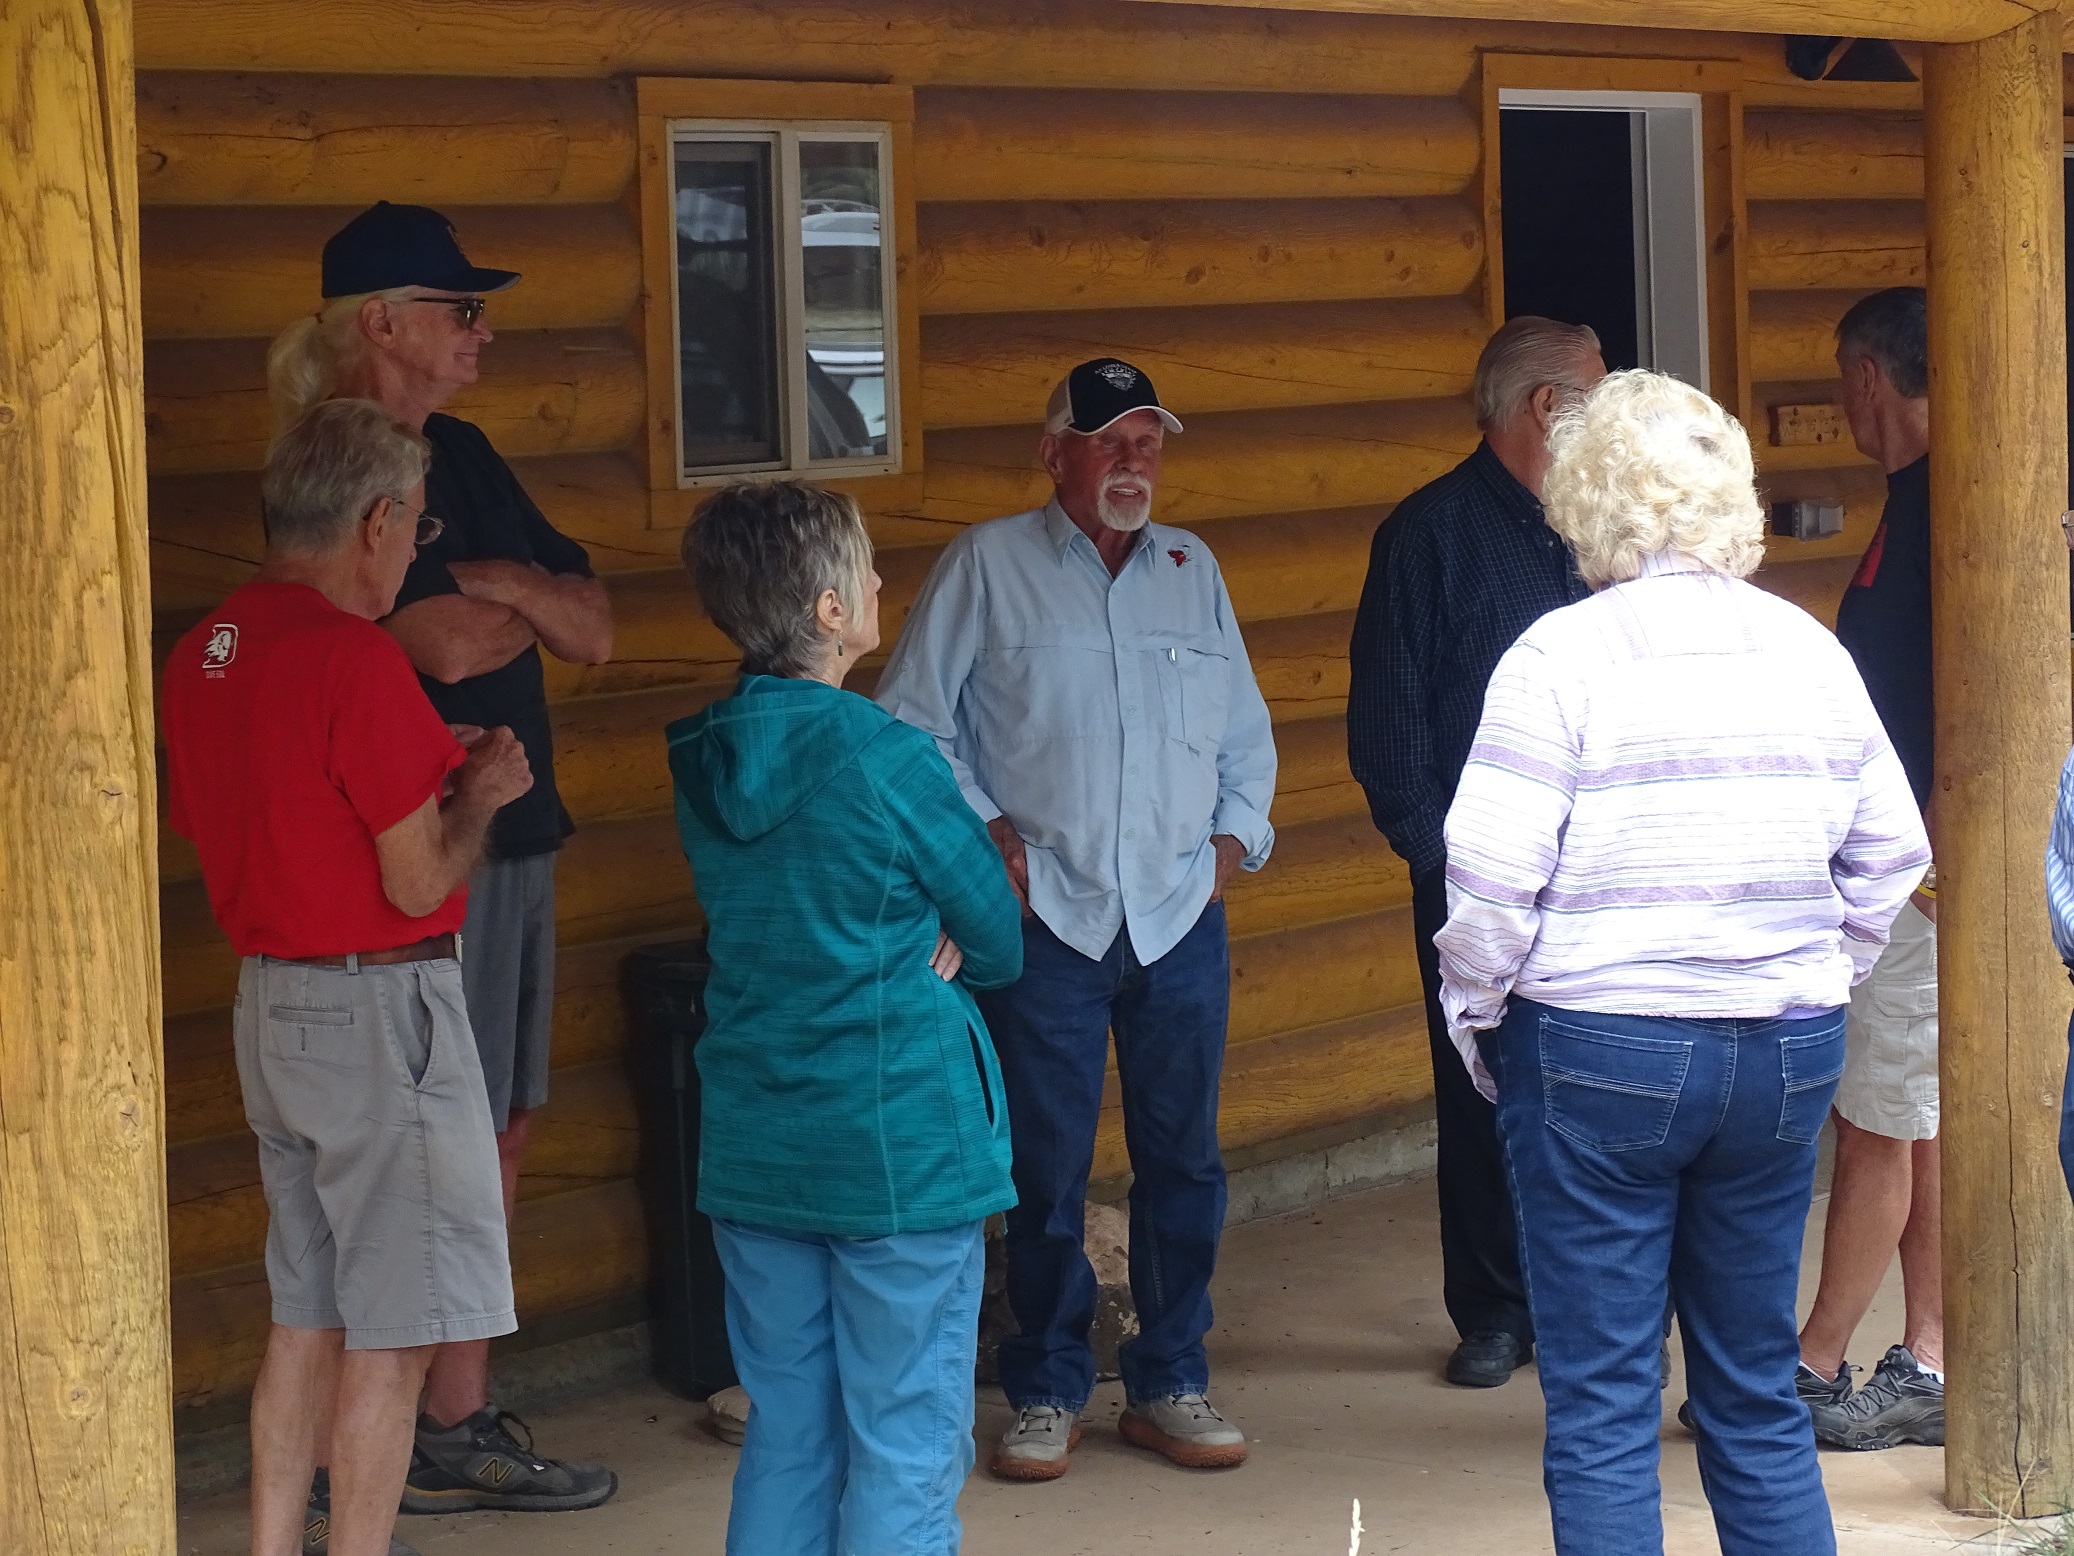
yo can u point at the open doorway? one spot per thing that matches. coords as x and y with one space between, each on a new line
1602 200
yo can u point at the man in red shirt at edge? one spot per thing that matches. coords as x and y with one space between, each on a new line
308 767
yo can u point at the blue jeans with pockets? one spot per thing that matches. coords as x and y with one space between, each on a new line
1656 1158
857 1355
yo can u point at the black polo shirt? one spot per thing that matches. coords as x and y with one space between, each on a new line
1884 621
489 517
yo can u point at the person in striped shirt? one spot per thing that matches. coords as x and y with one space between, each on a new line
1681 837
2059 900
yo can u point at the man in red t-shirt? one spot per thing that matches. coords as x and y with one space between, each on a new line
337 819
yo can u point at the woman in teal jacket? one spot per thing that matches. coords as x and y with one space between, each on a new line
853 1134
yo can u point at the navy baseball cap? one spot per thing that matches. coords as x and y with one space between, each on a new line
1097 393
402 245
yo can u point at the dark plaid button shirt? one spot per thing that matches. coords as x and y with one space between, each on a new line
1460 569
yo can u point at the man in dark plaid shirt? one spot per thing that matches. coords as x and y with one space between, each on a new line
1457 573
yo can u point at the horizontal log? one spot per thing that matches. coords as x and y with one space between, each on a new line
1793 334
615 879
541 392
1046 256
1307 976
568 1251
1301 664
1320 1076
1227 463
1805 155
1319 870
1929 21
210 138
990 369
1293 564
1798 245
1817 587
206 540
1311 780
249 270
1135 145
585 1136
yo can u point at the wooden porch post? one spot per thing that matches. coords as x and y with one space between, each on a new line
85 1369
1998 478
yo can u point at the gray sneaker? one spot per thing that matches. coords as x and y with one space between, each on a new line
1815 1391
316 1521
1038 1446
1185 1429
1902 1404
479 1464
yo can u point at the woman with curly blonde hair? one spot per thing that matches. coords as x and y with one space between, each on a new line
1681 838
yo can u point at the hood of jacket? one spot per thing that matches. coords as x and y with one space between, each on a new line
748 763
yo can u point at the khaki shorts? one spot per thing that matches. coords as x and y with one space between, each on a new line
1889 1085
508 971
385 1209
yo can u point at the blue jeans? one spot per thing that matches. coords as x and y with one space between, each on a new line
1651 1159
2067 1116
857 1354
1051 1028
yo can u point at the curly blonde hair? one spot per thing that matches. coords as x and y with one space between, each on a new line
1644 465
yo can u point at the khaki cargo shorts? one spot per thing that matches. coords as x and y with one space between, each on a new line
1889 1085
385 1209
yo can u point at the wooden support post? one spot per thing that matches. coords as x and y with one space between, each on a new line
1998 473
86 1464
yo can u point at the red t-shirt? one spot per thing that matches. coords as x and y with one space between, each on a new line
295 733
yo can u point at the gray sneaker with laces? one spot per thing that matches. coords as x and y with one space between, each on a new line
479 1464
1902 1404
316 1522
1186 1429
1038 1446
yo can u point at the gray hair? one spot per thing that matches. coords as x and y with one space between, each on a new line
1893 328
761 553
308 358
1524 354
327 470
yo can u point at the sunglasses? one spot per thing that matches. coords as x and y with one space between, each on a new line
466 309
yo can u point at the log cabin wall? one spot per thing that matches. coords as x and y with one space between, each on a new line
1274 215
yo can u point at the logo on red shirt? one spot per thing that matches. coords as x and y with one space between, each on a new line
1178 555
220 648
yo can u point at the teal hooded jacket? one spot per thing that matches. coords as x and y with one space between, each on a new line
847 1089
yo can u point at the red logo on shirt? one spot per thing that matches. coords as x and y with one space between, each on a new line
220 648
1869 565
1178 555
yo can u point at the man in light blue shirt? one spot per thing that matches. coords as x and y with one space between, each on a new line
1082 671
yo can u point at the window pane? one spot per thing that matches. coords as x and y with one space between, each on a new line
840 197
726 304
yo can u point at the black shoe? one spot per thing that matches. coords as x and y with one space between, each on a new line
1815 1391
1487 1358
478 1464
1902 1404
316 1521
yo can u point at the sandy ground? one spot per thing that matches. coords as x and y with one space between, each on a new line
1327 1350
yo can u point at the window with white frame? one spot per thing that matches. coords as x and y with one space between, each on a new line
785 314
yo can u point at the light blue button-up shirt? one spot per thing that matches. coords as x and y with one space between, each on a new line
1115 721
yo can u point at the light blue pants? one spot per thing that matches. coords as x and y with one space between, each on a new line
857 1355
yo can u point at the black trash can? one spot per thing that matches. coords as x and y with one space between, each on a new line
666 985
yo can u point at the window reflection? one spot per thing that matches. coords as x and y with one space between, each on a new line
841 209
726 304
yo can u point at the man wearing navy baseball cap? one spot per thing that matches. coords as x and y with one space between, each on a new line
1082 671
492 584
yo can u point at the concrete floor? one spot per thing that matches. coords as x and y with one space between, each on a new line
1328 1348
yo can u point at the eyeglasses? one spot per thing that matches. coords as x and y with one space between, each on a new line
466 309
429 528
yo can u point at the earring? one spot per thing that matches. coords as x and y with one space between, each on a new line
838 645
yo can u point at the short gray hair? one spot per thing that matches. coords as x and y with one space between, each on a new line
1524 354
1893 328
1645 466
330 467
761 553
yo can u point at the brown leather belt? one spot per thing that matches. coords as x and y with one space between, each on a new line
432 948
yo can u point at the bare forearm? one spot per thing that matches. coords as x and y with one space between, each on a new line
452 637
571 616
464 829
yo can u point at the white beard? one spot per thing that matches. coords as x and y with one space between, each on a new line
1118 516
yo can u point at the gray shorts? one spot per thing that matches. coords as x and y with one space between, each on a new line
385 1210
508 968
1889 1085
